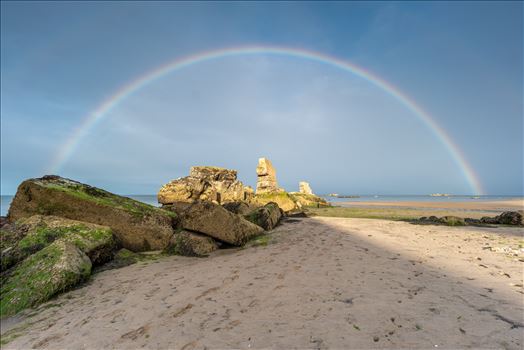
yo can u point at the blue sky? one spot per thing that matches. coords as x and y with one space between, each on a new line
462 62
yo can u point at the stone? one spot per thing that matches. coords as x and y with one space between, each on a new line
510 218
308 200
266 217
218 185
38 231
213 220
54 269
137 226
283 199
191 244
303 187
241 208
506 218
267 177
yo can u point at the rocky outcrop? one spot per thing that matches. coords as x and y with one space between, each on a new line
137 226
213 220
191 244
207 183
267 177
240 208
266 217
308 200
284 200
303 187
58 267
37 232
506 218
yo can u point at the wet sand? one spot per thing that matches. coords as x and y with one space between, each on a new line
481 205
319 283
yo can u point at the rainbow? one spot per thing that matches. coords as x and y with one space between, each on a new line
102 111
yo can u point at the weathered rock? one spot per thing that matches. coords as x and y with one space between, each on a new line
510 218
56 268
241 208
267 177
191 244
308 200
215 221
284 200
207 183
452 221
38 231
303 187
138 226
506 218
266 217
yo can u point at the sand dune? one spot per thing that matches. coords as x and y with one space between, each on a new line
319 283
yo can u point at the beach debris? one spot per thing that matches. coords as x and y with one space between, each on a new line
209 183
138 226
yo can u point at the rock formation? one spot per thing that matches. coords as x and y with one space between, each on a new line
207 183
267 177
266 217
191 244
304 187
29 235
137 226
213 220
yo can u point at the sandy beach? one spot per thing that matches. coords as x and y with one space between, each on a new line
319 283
481 205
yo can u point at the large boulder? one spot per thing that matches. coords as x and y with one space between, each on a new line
213 220
267 177
138 226
56 268
38 231
241 207
266 217
284 200
207 183
191 244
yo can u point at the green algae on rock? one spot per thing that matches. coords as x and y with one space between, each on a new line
56 268
138 226
38 231
284 200
191 244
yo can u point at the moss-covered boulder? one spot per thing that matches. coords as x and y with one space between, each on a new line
138 226
215 221
266 217
38 231
284 200
191 244
56 268
308 200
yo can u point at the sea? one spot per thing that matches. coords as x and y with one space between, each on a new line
152 200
